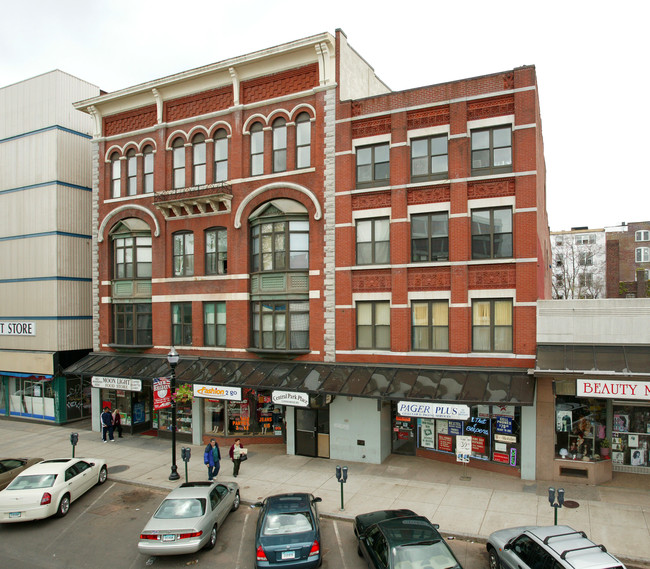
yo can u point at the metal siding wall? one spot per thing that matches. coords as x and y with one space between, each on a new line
34 211
29 160
28 258
73 162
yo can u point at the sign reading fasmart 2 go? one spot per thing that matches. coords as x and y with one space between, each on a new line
432 410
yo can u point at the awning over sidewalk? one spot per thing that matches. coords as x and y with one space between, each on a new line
584 358
471 386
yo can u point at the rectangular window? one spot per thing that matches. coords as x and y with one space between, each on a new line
430 237
642 254
492 233
373 241
132 324
182 324
131 173
430 325
216 252
116 180
132 257
492 150
492 326
280 325
221 157
585 239
586 280
586 258
559 259
373 325
642 235
257 150
429 159
303 141
148 170
373 165
269 250
183 254
214 323
199 162
179 165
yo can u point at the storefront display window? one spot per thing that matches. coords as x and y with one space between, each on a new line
183 418
495 432
630 434
31 397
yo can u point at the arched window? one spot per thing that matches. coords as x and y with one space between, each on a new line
257 150
279 145
178 149
183 256
220 156
148 169
131 173
116 175
198 160
303 141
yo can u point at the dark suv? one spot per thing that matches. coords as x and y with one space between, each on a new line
551 547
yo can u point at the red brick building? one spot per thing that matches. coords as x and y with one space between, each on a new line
353 268
628 260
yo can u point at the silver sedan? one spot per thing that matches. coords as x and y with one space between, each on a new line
189 518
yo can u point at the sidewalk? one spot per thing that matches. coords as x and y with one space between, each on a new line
616 514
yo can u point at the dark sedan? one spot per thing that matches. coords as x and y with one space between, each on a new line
12 467
288 532
400 539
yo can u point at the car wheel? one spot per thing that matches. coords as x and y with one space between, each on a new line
235 504
213 539
359 552
64 506
494 559
103 475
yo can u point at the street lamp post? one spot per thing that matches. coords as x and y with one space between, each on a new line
172 359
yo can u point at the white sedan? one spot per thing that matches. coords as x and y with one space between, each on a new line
49 487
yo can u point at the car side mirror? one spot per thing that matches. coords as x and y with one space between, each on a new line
257 505
508 545
437 526
316 500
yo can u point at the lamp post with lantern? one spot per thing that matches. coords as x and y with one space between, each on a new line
172 359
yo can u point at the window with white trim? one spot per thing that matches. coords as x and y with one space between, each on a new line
642 235
642 255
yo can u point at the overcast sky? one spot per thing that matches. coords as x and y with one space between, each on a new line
591 59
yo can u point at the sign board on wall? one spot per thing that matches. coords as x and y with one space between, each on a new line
432 410
162 393
117 383
217 392
291 398
613 389
12 328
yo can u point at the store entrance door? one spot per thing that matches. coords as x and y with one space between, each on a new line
313 432
404 433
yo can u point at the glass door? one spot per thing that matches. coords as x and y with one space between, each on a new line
306 431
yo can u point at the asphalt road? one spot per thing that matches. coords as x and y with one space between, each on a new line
102 528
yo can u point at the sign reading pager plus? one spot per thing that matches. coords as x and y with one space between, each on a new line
433 410
217 392
290 398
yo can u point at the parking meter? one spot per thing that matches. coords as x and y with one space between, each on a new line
345 474
74 439
560 496
186 453
338 473
551 495
560 499
342 477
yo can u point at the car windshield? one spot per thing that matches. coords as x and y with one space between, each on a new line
32 482
286 523
434 554
181 508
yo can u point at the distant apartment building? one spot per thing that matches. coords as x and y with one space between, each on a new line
628 260
347 269
578 265
45 246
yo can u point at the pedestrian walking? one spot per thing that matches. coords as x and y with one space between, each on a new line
107 425
212 459
237 451
117 423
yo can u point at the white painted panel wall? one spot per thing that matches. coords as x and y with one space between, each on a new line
28 160
53 336
73 212
33 211
357 77
28 258
600 321
353 421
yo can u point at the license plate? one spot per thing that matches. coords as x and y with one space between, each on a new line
14 514
170 537
288 555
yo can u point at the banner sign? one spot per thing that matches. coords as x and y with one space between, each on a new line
217 392
463 448
116 383
433 410
613 389
162 394
290 398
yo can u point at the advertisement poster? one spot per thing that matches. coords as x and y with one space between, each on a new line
504 410
455 428
563 421
621 423
445 443
501 457
427 433
478 445
161 393
504 425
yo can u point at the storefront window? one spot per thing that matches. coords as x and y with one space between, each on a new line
183 418
31 397
495 432
630 434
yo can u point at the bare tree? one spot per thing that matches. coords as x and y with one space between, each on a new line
578 266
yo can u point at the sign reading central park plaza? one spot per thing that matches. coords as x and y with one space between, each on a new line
433 410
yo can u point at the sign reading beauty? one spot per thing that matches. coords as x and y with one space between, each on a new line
217 392
290 398
613 389
117 383
433 410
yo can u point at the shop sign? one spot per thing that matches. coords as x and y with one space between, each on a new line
478 445
464 446
478 426
427 437
217 392
17 328
455 427
610 389
433 410
504 410
504 425
162 393
501 457
505 439
290 398
117 383
445 443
